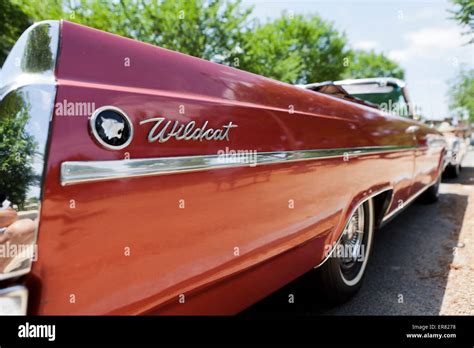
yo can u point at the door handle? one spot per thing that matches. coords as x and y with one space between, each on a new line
412 129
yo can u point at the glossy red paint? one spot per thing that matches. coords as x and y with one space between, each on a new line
87 229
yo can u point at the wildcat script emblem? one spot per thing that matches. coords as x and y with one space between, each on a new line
163 130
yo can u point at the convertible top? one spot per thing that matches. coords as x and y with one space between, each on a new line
335 89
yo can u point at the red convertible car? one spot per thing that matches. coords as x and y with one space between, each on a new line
138 180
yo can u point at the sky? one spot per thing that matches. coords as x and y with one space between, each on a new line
418 34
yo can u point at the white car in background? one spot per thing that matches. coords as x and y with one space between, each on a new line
457 147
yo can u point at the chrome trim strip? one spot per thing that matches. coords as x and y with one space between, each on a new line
381 80
76 172
362 201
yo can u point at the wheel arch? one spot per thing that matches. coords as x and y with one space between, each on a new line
381 200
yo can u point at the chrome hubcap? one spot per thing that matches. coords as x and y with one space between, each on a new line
355 244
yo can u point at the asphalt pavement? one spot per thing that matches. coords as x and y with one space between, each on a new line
422 263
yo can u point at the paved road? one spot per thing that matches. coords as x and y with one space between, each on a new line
422 263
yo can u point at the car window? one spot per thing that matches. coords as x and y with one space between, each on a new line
388 98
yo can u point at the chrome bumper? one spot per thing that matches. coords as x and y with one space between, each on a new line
13 300
27 95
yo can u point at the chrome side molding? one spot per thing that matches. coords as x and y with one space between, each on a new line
77 172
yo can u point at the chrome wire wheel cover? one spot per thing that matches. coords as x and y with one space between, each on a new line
355 244
352 237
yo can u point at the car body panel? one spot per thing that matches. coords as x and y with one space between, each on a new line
223 238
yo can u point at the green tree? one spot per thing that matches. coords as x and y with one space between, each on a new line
461 92
464 15
295 49
13 21
291 48
207 29
371 64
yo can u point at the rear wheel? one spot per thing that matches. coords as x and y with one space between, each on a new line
431 195
453 171
340 277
